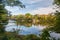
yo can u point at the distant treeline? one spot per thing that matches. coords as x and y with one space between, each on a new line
48 19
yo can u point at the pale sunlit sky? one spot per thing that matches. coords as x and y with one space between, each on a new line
33 7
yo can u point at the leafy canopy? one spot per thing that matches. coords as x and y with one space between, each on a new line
12 3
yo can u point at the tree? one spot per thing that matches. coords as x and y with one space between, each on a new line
45 35
4 12
28 17
57 25
57 2
3 17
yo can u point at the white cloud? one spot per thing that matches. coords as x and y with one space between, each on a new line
34 1
45 10
12 9
31 1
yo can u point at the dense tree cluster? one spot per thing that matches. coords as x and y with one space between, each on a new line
35 19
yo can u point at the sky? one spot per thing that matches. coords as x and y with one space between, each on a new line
33 7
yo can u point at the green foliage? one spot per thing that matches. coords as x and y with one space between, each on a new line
56 27
47 20
45 35
4 15
57 2
32 37
3 18
12 3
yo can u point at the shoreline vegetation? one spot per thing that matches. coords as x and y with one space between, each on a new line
45 20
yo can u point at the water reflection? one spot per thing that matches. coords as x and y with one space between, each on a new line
24 28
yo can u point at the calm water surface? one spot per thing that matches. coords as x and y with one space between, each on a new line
23 30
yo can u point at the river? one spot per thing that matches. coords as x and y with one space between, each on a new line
23 30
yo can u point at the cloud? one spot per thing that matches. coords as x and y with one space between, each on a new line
12 9
33 7
30 1
45 10
34 1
